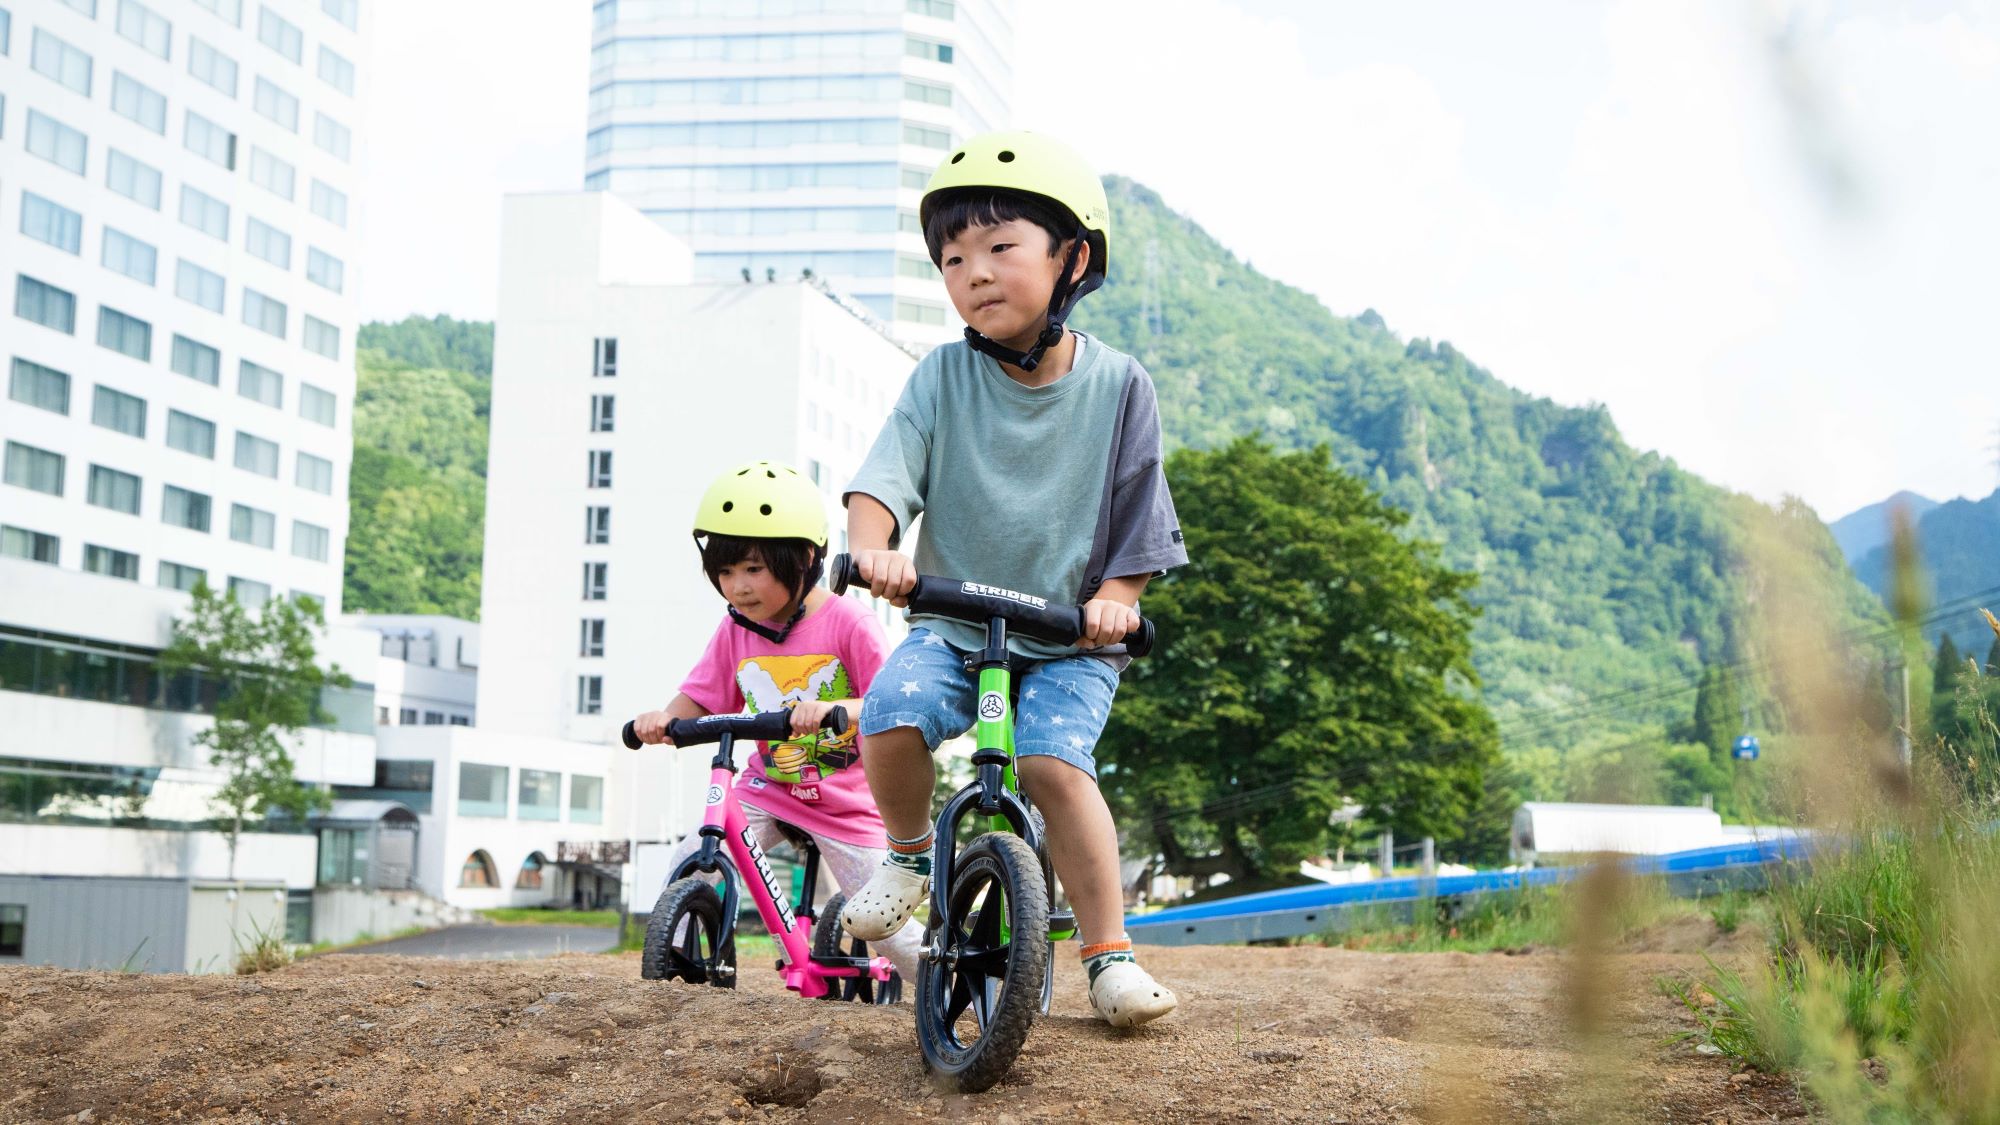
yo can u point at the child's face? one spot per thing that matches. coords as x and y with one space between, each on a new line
750 587
1000 279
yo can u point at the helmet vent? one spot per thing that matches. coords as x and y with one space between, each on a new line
1007 156
770 474
764 508
958 156
729 505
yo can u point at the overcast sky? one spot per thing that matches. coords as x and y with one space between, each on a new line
1763 234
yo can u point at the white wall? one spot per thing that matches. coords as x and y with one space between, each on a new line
65 849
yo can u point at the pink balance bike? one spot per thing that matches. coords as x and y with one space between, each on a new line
814 963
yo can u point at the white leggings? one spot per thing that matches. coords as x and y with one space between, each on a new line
849 864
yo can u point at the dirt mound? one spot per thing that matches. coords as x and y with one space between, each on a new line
1299 1034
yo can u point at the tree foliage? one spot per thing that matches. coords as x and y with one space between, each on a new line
270 688
1311 655
438 343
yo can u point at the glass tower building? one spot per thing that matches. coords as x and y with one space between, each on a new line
780 136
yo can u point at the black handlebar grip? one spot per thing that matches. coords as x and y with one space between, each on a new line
835 721
1139 642
841 572
630 736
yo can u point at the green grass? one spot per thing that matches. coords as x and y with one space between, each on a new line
753 950
1527 918
541 916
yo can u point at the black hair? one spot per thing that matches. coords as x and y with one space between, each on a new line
790 560
958 208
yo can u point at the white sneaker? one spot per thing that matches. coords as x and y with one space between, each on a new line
885 902
1125 995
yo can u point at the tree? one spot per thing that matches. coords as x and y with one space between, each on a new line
1945 669
1310 655
269 688
1718 712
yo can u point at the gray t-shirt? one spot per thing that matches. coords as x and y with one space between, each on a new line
1044 490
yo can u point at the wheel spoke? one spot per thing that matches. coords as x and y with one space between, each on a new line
979 990
961 997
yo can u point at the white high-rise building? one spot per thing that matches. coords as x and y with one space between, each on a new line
178 330
621 387
779 136
175 227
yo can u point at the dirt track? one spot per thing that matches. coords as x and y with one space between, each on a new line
1299 1034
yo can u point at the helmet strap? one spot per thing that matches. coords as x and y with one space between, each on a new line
775 636
1061 302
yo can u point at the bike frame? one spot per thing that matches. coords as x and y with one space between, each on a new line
730 848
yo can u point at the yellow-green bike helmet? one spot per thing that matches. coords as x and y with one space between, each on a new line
766 500
1032 164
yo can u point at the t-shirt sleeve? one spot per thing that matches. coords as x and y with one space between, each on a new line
864 651
897 469
1141 533
712 680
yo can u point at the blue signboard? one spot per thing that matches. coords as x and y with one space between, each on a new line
1745 749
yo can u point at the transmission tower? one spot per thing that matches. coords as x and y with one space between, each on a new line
1149 308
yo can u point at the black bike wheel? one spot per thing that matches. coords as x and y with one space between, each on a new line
700 956
976 1002
828 937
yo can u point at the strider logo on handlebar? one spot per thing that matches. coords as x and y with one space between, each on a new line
1004 595
770 879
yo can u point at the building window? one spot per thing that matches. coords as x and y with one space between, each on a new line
920 312
53 58
321 338
43 388
908 223
600 468
208 140
129 256
136 101
255 381
336 71
198 286
604 357
586 799
265 314
231 11
37 469
45 304
434 718
407 716
930 50
929 93
909 265
936 9
256 455
145 27
211 66
593 637
461 721
315 474
205 213
114 490
273 103
13 929
597 525
280 34
268 242
197 361
332 136
133 179
57 143
590 695
541 795
325 270
348 12
111 563
329 204
34 546
253 526
116 410
127 335
925 137
601 414
309 541
530 878
190 434
272 174
182 508
381 720
596 575
249 593
180 576
48 221
478 868
482 790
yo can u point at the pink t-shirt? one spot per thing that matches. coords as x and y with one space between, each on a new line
814 782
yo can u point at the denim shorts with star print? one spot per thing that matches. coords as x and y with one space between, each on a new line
924 684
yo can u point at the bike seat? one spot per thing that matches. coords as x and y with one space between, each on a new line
800 840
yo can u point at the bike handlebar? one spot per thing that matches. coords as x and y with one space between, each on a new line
971 601
768 726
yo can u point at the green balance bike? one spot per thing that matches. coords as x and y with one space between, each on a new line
984 970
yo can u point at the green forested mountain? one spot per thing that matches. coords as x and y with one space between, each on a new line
417 497
1602 568
1958 551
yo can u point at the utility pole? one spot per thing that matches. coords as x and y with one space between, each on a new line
1899 683
1387 854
